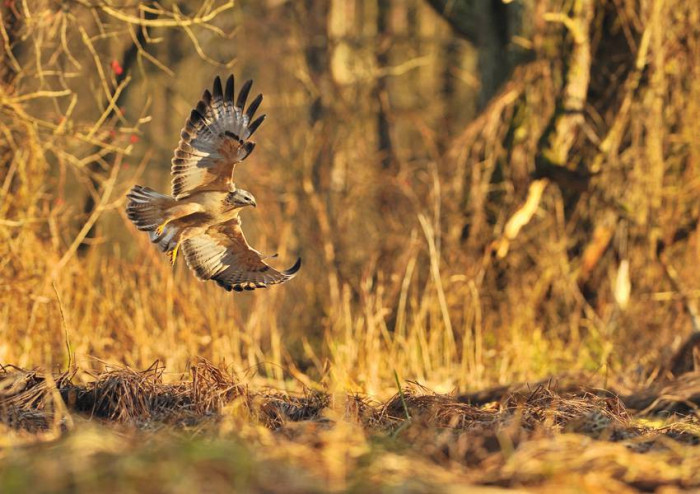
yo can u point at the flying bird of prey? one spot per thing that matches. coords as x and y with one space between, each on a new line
201 218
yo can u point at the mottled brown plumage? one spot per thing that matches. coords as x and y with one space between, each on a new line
202 213
222 254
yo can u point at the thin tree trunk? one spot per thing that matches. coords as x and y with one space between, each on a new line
11 24
490 25
313 18
384 145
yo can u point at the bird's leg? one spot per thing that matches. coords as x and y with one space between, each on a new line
173 254
177 212
162 226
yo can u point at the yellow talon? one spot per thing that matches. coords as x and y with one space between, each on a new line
173 254
160 228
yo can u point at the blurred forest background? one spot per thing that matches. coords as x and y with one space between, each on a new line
481 191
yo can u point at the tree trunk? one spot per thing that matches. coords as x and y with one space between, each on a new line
384 146
490 25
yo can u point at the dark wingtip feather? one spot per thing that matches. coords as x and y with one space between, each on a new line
248 146
254 106
294 269
196 117
243 95
206 97
229 88
254 126
223 285
217 88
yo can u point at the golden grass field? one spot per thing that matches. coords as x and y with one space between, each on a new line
499 285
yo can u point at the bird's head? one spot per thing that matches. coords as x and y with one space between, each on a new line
240 198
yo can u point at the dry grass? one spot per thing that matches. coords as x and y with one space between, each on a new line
416 269
539 437
471 254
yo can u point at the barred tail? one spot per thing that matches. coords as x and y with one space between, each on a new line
147 209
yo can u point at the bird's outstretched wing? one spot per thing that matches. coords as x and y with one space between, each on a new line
214 138
222 254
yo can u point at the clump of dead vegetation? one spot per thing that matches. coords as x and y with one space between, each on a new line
541 428
121 395
125 395
29 400
34 400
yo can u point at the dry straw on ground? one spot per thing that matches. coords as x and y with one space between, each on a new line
529 436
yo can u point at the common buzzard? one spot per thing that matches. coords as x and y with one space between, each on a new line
201 216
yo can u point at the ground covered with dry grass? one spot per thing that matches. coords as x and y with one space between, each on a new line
122 430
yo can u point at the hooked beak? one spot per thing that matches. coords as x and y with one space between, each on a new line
254 204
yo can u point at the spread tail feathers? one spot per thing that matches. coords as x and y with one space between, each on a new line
146 207
147 210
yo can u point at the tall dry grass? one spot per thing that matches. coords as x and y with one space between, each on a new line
401 268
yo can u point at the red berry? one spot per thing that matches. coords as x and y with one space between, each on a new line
116 67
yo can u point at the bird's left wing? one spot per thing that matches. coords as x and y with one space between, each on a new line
214 139
222 254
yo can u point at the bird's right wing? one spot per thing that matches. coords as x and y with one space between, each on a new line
222 254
